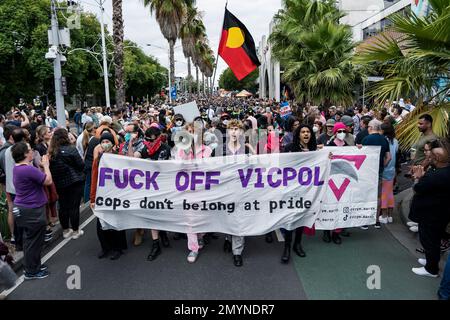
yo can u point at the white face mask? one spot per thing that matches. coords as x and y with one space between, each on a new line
341 136
225 122
315 129
179 123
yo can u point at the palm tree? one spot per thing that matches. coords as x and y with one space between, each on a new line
414 59
170 15
315 51
191 30
118 35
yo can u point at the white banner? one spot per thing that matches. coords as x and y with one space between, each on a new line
240 195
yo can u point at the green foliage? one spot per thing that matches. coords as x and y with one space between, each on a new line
228 81
315 51
414 59
25 73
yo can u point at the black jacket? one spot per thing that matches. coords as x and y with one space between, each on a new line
67 167
431 201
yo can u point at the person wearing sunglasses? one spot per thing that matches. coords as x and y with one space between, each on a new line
339 134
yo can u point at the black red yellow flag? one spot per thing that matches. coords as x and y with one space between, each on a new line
237 47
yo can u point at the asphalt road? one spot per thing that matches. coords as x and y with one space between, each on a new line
329 271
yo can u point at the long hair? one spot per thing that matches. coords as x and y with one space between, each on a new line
88 128
312 144
60 138
388 131
40 133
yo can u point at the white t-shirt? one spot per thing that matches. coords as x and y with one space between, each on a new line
2 138
9 167
79 145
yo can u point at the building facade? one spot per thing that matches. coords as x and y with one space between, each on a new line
269 71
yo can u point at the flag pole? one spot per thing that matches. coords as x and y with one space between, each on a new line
217 57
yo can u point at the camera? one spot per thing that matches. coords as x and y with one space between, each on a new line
51 54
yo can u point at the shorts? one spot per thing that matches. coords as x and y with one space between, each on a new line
387 194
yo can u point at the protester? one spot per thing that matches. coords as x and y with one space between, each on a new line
29 207
111 241
364 131
376 139
84 138
430 206
303 141
325 137
425 126
389 173
67 165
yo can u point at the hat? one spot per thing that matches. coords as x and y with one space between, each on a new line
225 115
107 119
107 136
330 123
339 126
347 120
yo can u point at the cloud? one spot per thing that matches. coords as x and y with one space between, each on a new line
142 28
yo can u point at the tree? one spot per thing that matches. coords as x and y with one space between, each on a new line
143 74
414 59
118 37
315 51
169 15
191 30
228 81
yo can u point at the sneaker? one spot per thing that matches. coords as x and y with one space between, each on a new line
12 241
48 237
365 228
377 225
422 261
77 234
43 267
414 229
37 275
192 256
67 233
201 243
390 220
412 224
383 220
423 272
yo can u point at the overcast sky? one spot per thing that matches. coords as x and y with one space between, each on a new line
143 29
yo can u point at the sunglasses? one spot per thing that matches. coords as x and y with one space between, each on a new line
341 131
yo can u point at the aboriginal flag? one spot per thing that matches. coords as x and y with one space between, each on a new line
237 47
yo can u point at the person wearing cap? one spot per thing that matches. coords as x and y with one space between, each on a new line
178 123
349 138
339 134
328 134
111 241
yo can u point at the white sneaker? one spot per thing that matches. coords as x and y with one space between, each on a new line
77 234
390 219
423 272
414 229
192 256
67 233
411 224
422 261
383 220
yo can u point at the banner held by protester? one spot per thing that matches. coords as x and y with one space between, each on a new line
239 195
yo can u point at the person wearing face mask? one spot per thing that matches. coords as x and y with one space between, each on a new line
339 134
317 128
349 138
111 241
196 150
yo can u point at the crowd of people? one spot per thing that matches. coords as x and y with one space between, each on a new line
34 149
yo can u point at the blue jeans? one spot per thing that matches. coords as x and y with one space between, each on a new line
444 289
87 186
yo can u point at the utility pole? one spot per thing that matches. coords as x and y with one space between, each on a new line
105 61
60 109
170 83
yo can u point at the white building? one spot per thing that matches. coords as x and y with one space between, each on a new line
269 71
370 17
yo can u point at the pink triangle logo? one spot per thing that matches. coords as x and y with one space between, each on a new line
358 160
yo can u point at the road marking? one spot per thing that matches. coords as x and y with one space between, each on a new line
48 256
279 235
